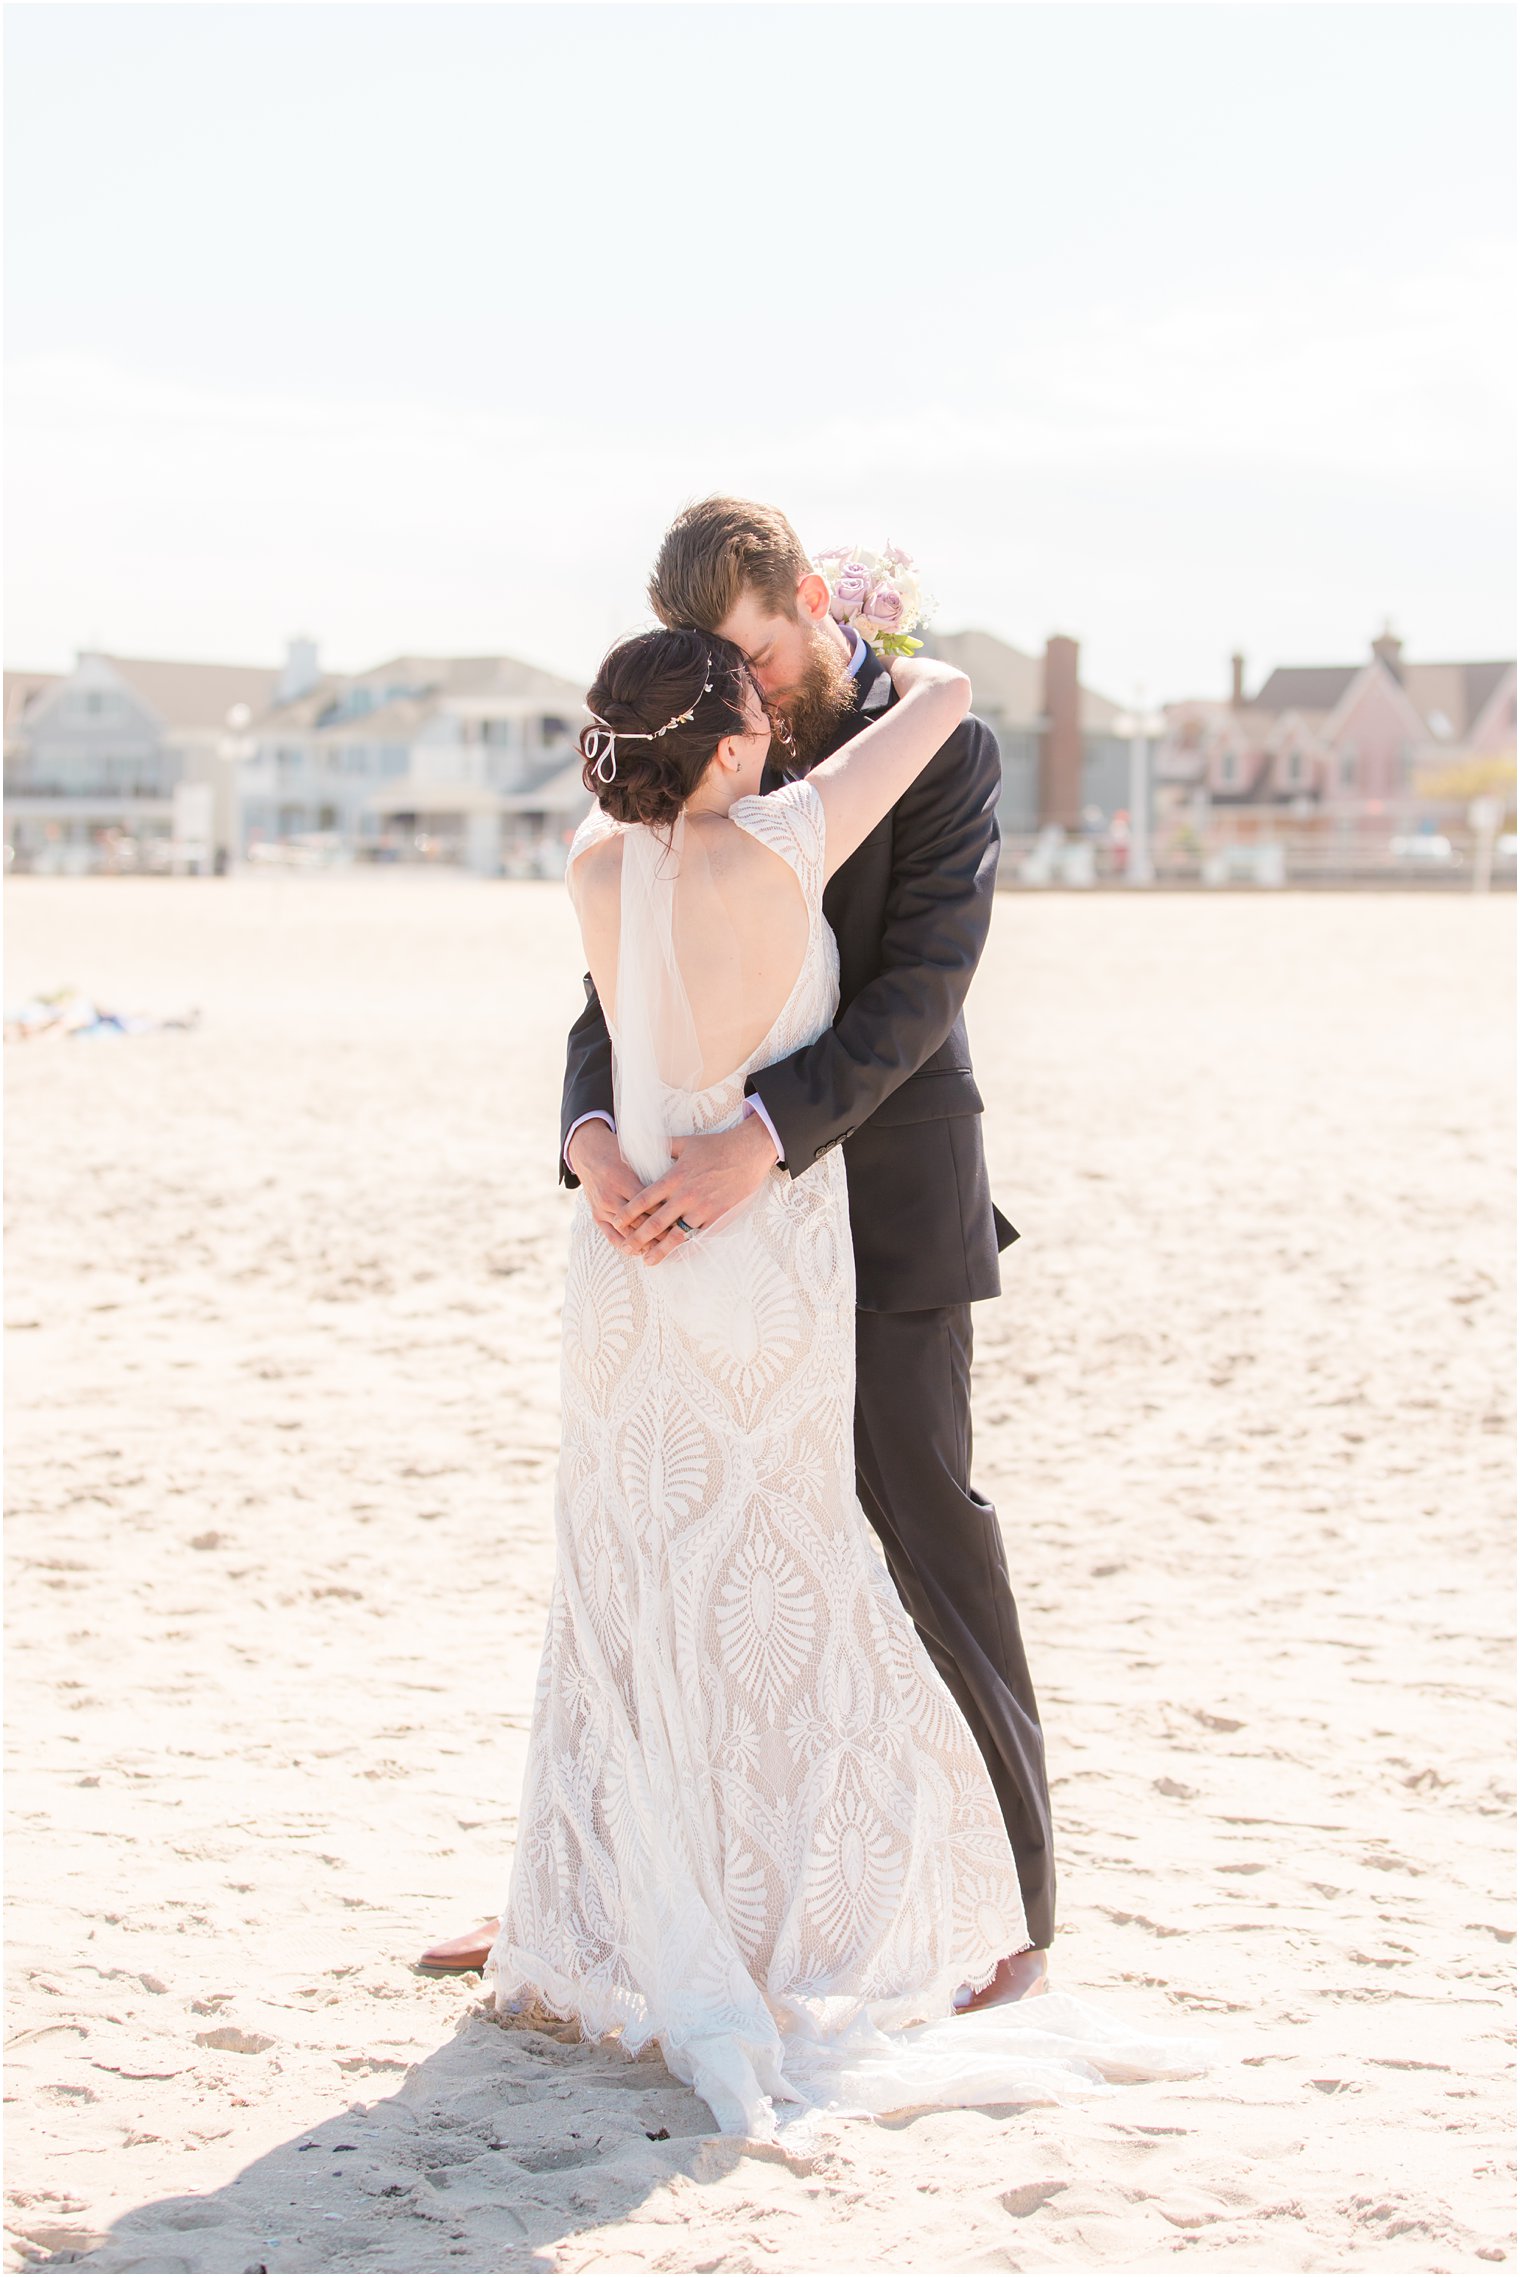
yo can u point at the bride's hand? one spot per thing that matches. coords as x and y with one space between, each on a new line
605 1177
712 1175
910 672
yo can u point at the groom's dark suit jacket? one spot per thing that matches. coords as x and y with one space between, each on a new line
891 1081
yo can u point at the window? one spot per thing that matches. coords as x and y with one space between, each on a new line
1348 771
1294 771
1228 768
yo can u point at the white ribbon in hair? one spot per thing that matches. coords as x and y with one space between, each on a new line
599 746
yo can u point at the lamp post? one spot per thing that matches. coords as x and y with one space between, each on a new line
1484 816
235 747
1140 725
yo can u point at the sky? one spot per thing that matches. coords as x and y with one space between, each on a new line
1176 328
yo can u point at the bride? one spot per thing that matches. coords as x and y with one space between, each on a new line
755 1828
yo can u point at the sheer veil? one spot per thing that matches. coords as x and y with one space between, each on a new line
657 1056
658 1070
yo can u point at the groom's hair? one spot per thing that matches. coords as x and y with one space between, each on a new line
718 549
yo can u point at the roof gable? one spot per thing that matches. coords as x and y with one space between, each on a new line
21 691
1458 691
92 700
1374 685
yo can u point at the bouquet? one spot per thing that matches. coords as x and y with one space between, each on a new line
878 593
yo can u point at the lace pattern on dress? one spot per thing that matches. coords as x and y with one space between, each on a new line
755 1826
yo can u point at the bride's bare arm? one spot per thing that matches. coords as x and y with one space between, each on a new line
859 783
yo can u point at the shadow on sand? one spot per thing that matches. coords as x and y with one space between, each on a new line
509 2139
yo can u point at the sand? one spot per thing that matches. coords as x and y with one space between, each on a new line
283 1299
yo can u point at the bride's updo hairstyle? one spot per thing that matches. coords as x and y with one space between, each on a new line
660 706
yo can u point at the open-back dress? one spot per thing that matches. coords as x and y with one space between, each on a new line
754 1825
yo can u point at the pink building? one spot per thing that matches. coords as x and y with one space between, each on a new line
1327 736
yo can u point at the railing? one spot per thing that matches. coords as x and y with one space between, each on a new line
1241 850
34 787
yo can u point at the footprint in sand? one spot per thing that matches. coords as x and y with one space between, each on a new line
1029 2197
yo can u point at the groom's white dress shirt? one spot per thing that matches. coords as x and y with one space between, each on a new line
752 1105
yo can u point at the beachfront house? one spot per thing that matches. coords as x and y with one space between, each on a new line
493 769
463 759
126 764
1342 739
120 762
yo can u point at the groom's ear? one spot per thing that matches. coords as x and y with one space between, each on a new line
813 596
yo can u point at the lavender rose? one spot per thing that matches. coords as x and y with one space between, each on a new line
850 588
884 607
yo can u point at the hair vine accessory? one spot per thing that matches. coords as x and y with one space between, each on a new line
599 742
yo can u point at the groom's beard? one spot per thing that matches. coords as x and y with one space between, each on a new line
814 706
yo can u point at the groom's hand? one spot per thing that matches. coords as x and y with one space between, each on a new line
605 1177
711 1177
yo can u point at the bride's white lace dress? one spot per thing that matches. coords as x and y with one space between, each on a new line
754 1826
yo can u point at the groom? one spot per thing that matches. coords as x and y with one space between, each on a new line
891 1082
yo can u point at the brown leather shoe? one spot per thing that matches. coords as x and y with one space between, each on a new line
456 1956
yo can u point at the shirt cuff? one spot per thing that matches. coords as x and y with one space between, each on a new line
752 1106
597 1115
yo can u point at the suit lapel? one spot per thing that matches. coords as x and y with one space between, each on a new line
874 691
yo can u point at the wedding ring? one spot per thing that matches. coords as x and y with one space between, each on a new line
690 1231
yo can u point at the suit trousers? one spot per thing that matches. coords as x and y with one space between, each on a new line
945 1554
